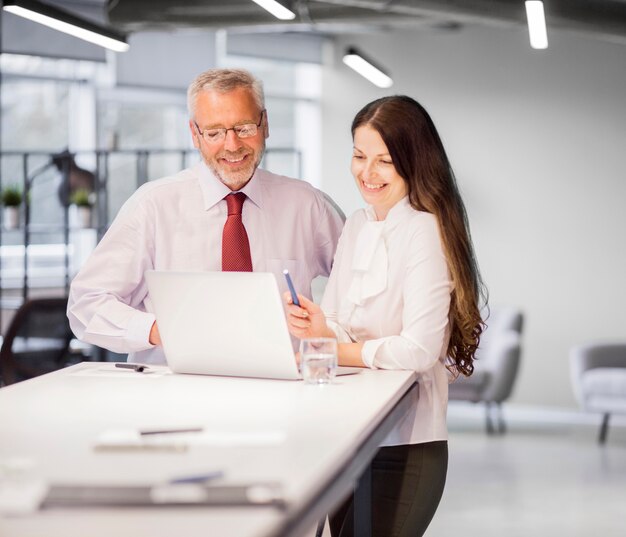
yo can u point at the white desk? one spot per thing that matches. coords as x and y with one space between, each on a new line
321 439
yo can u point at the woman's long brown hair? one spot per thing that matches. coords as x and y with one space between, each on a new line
420 159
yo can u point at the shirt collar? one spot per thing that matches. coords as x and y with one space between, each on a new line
253 188
214 191
394 215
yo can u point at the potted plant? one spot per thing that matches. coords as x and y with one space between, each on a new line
83 199
11 200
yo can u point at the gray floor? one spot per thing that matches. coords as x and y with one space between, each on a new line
545 477
534 482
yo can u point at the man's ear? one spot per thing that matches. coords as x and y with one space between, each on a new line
194 134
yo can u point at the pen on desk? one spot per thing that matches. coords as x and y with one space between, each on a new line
198 478
140 368
292 290
172 431
177 447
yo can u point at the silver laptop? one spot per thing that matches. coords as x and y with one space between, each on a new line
223 323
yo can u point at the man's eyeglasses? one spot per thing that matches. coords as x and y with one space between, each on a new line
247 130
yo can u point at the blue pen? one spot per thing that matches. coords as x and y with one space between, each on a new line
200 478
292 290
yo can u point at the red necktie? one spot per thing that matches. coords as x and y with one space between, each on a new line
235 246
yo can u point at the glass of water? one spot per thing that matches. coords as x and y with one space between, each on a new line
318 360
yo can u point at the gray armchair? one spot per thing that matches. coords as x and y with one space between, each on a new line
496 366
598 373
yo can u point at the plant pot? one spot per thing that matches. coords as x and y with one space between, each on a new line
11 217
84 217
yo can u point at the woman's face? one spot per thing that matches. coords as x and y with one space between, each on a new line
374 172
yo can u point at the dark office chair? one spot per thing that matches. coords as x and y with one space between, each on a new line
37 340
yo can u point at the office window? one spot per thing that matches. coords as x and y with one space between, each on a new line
34 114
47 107
132 119
34 118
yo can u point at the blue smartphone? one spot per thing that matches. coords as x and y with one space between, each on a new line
292 290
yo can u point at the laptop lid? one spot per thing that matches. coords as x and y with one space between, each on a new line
222 323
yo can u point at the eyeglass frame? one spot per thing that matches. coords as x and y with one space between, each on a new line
225 130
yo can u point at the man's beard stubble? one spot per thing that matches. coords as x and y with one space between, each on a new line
235 180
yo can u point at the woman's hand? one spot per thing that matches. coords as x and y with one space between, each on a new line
306 320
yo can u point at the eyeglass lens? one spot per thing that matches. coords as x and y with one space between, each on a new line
242 131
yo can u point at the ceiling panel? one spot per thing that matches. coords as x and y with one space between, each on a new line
605 19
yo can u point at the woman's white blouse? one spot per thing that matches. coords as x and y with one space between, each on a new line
390 289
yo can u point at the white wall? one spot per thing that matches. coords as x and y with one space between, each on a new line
538 142
166 60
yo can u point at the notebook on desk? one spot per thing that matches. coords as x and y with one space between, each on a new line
224 323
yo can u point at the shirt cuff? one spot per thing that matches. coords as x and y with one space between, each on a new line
369 350
342 335
138 331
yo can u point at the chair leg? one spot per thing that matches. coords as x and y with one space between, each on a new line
501 423
320 527
604 429
490 428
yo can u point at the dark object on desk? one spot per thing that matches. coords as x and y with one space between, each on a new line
37 340
172 431
261 494
140 368
197 478
496 367
598 372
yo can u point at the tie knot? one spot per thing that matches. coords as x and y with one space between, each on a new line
235 203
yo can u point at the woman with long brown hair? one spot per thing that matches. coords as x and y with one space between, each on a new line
404 293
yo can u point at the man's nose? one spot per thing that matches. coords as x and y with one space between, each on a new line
232 142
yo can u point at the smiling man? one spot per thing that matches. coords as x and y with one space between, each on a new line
222 214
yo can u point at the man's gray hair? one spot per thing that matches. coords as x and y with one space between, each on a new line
223 81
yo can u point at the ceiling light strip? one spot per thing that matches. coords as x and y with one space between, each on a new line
66 22
275 8
536 24
367 69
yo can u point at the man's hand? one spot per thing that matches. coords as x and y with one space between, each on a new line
155 337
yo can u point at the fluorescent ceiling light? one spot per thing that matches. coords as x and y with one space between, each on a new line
64 21
275 8
536 24
366 68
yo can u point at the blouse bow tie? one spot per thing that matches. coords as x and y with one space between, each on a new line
369 265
